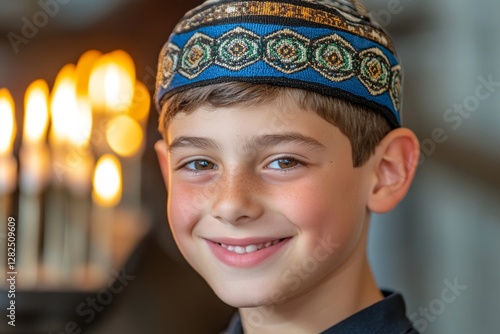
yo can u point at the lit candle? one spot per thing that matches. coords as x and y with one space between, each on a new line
63 107
78 181
112 82
141 103
125 137
106 194
34 175
84 69
79 177
111 91
79 173
64 112
121 106
8 170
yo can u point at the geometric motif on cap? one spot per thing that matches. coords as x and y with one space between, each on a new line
288 52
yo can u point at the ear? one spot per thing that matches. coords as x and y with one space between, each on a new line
396 160
161 153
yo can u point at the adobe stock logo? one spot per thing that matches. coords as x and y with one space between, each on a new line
436 307
384 16
102 299
31 27
454 117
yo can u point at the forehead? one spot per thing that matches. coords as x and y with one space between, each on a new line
264 124
274 115
280 110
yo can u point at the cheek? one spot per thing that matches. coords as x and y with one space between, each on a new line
185 207
185 204
326 206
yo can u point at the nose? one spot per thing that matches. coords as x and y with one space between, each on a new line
236 199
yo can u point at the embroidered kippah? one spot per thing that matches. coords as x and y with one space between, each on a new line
330 47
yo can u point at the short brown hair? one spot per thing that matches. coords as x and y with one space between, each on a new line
363 127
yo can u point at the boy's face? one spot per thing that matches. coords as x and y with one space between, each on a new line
264 201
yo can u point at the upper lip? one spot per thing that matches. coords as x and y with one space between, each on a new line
244 241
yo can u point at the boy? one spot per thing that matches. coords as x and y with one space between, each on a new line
282 134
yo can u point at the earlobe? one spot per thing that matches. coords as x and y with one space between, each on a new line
161 153
396 162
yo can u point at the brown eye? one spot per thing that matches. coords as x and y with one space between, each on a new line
199 165
203 165
283 163
287 163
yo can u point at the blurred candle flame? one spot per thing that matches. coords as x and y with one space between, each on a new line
34 154
7 122
141 103
80 128
71 114
63 104
124 135
112 82
107 181
84 69
36 117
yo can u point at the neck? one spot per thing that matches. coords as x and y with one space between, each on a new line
349 289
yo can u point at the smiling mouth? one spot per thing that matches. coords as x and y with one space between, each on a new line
250 248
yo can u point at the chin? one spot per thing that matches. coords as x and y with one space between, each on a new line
243 297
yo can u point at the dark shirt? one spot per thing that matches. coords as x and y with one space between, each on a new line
386 316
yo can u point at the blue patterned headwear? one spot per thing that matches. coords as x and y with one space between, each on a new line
330 47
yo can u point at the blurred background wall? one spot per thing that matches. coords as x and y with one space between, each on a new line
441 245
443 236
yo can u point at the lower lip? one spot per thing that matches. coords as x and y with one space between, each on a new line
245 260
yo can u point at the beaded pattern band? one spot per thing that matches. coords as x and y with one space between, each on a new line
333 17
286 43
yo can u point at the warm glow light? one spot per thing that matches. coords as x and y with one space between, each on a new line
96 85
112 82
63 104
124 135
36 116
83 70
7 122
80 127
141 103
107 181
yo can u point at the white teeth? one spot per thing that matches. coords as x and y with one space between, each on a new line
249 248
239 250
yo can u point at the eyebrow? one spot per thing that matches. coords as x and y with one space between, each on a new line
193 142
266 141
257 142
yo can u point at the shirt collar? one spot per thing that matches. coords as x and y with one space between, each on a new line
385 316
